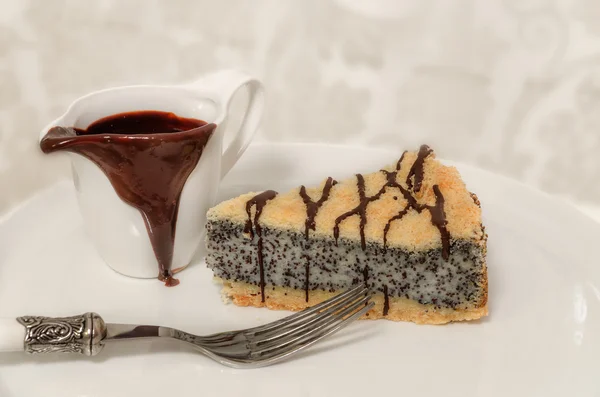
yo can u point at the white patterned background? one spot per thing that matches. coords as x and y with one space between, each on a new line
512 86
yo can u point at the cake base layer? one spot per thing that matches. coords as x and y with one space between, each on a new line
400 309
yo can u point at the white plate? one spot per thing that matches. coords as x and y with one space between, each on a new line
542 337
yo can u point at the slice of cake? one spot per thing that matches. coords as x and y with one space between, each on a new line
411 232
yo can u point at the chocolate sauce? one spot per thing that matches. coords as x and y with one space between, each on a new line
417 170
312 208
141 122
396 217
399 163
438 215
147 157
386 300
306 277
438 218
259 201
391 182
360 210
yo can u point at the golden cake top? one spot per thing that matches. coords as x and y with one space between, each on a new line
416 204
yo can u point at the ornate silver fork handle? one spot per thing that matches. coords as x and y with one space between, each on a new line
83 334
259 346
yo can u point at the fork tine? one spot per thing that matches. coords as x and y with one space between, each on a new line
306 342
315 319
304 331
289 320
311 310
229 341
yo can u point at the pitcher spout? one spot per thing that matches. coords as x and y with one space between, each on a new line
58 138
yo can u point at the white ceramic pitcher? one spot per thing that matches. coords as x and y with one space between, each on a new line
117 229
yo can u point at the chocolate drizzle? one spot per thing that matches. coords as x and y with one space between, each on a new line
360 210
366 278
312 208
399 163
438 218
386 300
438 215
417 169
147 156
259 201
306 278
398 216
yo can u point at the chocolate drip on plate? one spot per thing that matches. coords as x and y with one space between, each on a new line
259 201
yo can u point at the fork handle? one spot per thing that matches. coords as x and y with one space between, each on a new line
81 334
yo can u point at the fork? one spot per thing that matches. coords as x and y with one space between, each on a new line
248 348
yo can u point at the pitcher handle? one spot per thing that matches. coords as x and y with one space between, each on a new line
222 86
